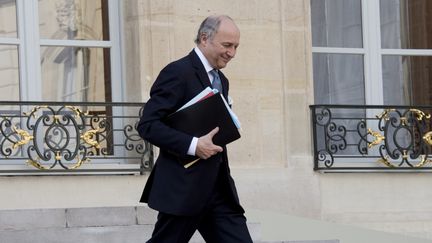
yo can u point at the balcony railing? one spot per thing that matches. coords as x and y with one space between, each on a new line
372 138
71 137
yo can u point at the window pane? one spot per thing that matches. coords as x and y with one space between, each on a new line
406 24
407 80
76 74
134 34
9 81
8 25
73 20
338 79
336 23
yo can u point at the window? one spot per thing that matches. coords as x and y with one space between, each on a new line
60 50
406 37
9 69
368 52
65 51
338 52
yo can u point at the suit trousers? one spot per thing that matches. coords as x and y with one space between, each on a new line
219 222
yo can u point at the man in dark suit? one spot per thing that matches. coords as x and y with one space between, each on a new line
203 196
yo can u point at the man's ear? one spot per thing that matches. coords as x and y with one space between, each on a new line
203 38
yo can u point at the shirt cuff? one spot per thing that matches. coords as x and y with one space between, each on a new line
192 147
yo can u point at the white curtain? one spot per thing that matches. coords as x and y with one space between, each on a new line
338 78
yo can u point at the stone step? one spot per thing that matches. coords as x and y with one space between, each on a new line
111 234
89 225
302 241
105 234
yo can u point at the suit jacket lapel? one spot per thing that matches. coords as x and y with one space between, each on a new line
199 69
203 76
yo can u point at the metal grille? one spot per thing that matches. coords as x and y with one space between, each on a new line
73 137
372 138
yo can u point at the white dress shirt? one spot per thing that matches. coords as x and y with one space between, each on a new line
208 68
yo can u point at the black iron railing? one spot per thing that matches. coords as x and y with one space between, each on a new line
372 138
72 137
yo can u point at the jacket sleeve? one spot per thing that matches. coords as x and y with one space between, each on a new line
166 96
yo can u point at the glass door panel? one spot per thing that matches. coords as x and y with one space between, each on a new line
406 24
8 19
336 23
406 80
338 79
79 74
9 73
73 19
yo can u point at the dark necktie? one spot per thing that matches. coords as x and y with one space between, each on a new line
216 84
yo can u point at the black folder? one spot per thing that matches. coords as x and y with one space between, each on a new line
202 117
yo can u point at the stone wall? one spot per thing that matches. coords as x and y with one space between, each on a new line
70 225
271 85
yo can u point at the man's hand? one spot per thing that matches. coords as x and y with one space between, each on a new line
205 146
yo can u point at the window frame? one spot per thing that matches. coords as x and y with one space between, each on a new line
29 43
372 52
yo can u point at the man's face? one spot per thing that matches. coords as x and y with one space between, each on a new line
223 46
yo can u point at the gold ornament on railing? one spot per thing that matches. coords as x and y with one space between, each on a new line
38 165
25 137
378 138
385 114
428 138
419 116
33 111
57 137
386 160
78 111
89 137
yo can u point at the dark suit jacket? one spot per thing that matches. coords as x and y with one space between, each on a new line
171 188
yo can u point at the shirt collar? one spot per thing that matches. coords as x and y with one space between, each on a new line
203 59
